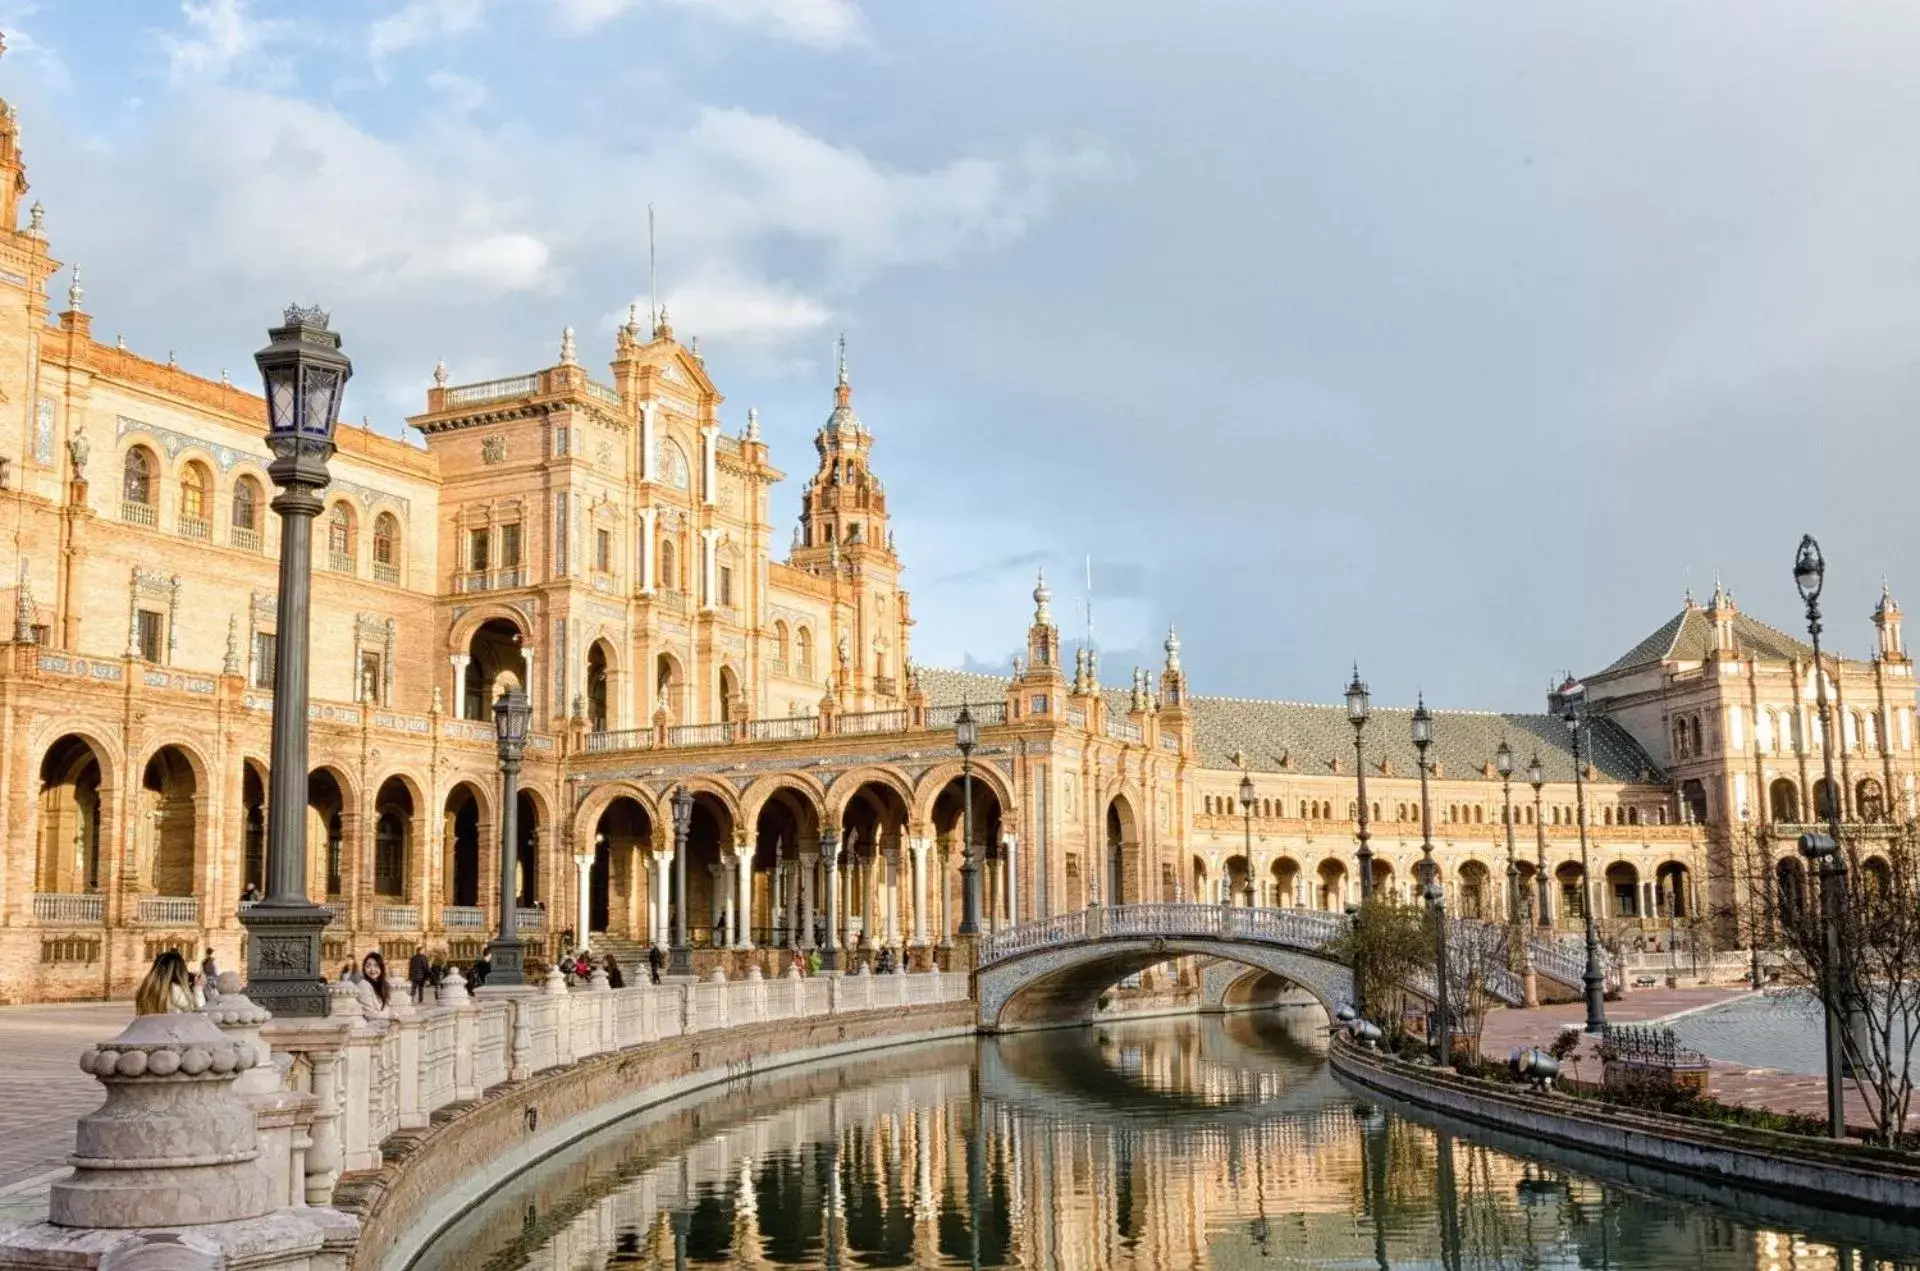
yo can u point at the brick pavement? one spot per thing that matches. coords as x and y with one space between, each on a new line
1732 1077
43 1092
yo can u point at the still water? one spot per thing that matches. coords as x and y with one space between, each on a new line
1165 1144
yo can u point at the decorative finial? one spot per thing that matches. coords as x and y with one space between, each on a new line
843 381
662 327
120 342
694 349
1172 647
633 318
1042 599
753 423
230 665
297 315
440 373
566 348
75 293
37 219
172 361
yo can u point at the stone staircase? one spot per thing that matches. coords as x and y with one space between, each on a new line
631 954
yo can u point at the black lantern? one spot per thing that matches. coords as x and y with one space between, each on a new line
1422 725
306 376
1356 699
1536 772
1246 791
1809 569
1503 759
966 732
511 716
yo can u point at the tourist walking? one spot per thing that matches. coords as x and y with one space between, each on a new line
209 973
655 960
615 980
419 970
168 987
482 967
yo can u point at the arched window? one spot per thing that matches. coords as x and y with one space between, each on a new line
246 514
386 547
669 569
1783 801
803 652
340 539
136 477
196 499
782 642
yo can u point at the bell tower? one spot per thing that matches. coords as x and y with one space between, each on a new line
844 537
1886 622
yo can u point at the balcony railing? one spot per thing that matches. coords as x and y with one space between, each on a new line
793 728
247 540
195 527
530 921
340 562
396 917
167 911
603 393
1121 729
674 600
620 739
861 722
70 908
700 734
493 390
790 728
137 513
472 580
386 573
463 918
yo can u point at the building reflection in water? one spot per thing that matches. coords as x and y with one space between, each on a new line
1151 1146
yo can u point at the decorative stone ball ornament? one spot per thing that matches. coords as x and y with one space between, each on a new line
172 1146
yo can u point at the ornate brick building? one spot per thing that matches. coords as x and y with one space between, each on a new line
609 543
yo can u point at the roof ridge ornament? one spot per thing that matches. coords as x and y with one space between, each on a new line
440 373
566 348
75 292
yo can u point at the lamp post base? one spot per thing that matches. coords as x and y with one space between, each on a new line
1596 1001
829 959
509 959
284 973
680 961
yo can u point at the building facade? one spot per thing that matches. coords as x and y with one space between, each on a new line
608 543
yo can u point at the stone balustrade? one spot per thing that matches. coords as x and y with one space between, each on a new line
371 1075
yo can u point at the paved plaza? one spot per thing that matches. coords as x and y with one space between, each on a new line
43 1092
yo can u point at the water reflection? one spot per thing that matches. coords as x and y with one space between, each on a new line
1164 1144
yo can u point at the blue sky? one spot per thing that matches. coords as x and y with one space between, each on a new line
1458 338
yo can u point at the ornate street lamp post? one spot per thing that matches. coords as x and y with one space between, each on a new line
680 957
966 735
1537 777
305 375
1593 977
511 715
1246 807
1823 850
1436 895
1503 764
1357 716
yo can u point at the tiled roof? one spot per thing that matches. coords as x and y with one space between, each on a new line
1310 735
1688 637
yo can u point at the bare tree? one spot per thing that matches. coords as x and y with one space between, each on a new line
1476 951
1877 976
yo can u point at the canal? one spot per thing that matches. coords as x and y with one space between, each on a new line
1216 1141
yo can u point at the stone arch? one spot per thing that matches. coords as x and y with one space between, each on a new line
140 473
845 786
467 813
755 797
588 813
460 635
399 827
621 894
668 690
171 819
727 695
195 491
495 652
935 780
337 534
602 666
76 800
1121 862
1062 984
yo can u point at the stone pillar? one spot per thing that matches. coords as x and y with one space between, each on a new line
808 864
720 899
743 908
459 661
830 852
919 847
781 931
1009 851
891 884
172 1146
583 924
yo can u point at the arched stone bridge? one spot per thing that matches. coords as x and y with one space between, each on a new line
1054 970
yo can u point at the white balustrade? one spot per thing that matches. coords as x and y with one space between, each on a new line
167 911
78 909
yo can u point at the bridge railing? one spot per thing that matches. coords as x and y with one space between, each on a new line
1300 928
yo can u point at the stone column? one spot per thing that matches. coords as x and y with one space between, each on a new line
891 888
809 863
583 925
830 852
459 661
919 847
743 908
781 933
1009 849
720 900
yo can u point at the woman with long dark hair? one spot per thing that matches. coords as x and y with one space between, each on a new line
168 987
373 981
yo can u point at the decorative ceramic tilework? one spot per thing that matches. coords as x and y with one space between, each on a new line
43 431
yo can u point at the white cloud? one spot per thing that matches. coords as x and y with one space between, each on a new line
462 95
825 24
419 21
221 33
45 63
